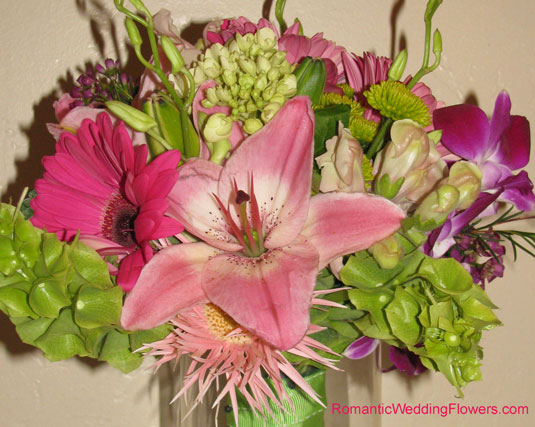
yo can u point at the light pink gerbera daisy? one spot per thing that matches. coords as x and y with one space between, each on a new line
97 183
218 346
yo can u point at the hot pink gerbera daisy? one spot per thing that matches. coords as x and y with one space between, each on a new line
218 346
98 184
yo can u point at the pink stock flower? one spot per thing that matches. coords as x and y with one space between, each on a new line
97 183
220 347
264 238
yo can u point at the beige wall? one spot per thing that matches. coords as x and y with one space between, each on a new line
488 46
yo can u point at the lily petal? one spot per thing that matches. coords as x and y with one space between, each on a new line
342 223
270 295
192 203
169 283
279 160
462 123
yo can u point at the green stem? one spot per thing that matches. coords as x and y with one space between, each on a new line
152 133
119 6
379 139
19 204
191 86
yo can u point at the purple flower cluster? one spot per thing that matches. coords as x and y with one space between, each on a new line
481 254
104 83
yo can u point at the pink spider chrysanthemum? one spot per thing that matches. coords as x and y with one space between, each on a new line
218 346
98 184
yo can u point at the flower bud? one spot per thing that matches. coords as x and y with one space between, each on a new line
198 76
133 32
233 47
268 92
273 74
260 83
278 58
211 68
341 165
223 94
262 64
251 126
229 77
278 98
466 177
172 53
287 86
387 252
248 66
398 66
134 118
266 38
269 111
246 81
211 95
217 128
438 204
244 42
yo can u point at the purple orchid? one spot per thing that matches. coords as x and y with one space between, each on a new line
499 147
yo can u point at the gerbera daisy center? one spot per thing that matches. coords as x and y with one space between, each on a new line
118 221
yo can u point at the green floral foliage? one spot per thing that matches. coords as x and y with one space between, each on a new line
431 306
61 297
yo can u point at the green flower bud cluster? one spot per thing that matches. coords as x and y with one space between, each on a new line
254 78
430 306
61 297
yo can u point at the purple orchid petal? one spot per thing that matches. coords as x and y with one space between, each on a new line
513 149
465 130
501 118
406 361
361 348
518 189
493 174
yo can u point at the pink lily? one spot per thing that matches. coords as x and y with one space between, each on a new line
264 237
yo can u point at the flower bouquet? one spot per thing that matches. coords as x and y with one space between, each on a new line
265 203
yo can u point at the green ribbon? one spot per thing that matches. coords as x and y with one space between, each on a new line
308 413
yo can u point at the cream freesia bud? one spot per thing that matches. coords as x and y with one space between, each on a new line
251 126
288 85
229 77
278 58
466 177
341 165
262 64
211 68
218 127
266 38
244 42
438 204
269 111
248 66
273 74
387 252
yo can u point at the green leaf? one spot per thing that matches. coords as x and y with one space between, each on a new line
446 275
95 307
362 271
401 314
327 124
62 340
479 315
32 329
374 303
336 313
47 298
14 302
51 248
90 265
95 339
116 351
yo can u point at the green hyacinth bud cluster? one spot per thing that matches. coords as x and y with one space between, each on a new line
254 78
